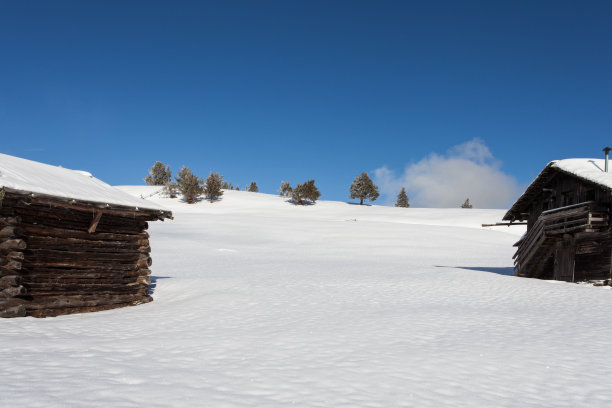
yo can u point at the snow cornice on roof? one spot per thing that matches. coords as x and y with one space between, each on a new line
70 187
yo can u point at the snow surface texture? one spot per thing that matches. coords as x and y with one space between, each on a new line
260 303
35 177
588 169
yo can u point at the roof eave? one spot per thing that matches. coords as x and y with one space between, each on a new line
66 202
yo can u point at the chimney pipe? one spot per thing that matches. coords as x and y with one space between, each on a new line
607 150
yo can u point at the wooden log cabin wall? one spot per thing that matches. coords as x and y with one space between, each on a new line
61 255
567 209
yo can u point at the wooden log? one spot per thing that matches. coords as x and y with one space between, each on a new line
50 240
51 254
14 255
28 281
79 226
11 280
85 309
149 214
61 301
43 242
42 231
8 272
15 196
67 273
7 232
13 291
79 264
14 311
98 290
79 217
10 264
9 221
144 280
144 261
95 222
13 244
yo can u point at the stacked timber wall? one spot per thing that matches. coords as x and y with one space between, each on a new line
58 258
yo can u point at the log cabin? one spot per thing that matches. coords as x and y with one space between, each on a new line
567 209
70 243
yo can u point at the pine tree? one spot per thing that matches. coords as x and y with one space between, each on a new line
285 189
253 187
307 191
170 189
466 204
159 175
364 188
402 199
189 185
212 186
237 188
225 185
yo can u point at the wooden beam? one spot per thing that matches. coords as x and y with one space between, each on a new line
81 205
94 222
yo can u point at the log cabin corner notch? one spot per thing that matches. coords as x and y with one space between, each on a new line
70 243
567 209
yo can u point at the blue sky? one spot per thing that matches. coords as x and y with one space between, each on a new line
287 90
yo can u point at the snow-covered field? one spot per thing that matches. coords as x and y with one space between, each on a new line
259 303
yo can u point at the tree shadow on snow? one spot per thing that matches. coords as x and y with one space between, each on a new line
506 271
195 200
305 202
362 205
153 283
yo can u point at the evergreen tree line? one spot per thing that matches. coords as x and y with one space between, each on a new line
192 187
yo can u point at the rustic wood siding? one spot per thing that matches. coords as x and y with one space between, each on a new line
584 253
56 260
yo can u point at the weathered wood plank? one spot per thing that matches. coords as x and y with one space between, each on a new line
79 264
38 230
69 273
51 254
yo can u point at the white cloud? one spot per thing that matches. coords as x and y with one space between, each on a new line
466 170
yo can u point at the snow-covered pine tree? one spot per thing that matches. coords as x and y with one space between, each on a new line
285 189
159 175
466 204
307 191
253 187
402 199
364 188
189 185
212 186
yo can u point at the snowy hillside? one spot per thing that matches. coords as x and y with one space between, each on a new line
259 303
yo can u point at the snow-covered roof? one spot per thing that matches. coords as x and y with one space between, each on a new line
586 169
591 170
39 178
